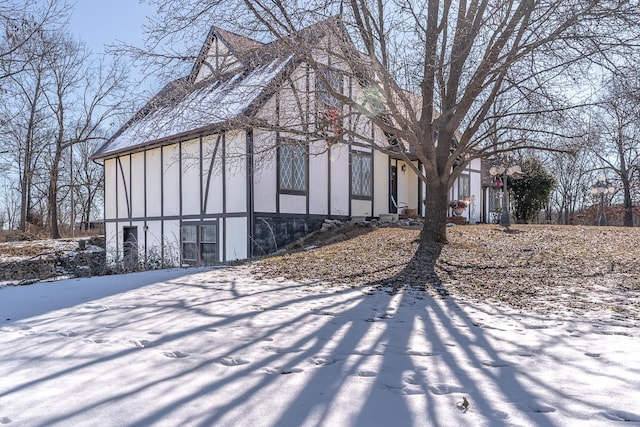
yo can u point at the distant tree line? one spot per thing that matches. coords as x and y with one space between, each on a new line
57 100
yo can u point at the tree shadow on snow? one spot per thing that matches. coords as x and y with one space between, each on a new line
398 352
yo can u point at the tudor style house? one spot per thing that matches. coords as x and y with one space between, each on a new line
219 166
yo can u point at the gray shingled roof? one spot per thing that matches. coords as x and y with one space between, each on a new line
183 109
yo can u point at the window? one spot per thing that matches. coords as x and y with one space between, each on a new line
329 113
334 79
361 175
293 167
464 188
199 243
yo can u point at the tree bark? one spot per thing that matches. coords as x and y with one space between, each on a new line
435 221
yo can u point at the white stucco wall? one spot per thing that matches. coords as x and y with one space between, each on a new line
137 185
190 171
339 159
109 188
154 171
381 183
236 243
214 194
318 179
265 173
123 186
236 172
171 182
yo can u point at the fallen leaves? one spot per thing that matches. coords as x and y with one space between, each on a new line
542 268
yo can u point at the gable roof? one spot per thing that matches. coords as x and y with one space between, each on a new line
182 109
186 107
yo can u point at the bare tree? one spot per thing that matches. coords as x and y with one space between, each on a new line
20 23
84 97
618 140
446 77
88 180
61 96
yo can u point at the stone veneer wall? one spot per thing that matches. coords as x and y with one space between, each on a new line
78 264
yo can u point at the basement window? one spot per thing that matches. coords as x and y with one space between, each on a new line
199 243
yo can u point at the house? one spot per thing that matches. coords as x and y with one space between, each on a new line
246 154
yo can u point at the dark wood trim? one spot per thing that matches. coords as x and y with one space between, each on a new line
117 207
200 174
162 207
209 174
223 158
131 189
420 204
180 180
144 197
277 148
294 215
185 217
124 185
249 190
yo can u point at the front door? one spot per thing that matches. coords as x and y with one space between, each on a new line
393 189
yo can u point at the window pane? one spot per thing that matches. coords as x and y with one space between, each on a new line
463 186
299 169
208 252
361 175
189 233
293 164
208 233
190 251
334 79
286 171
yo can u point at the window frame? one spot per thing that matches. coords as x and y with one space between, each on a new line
462 179
199 242
356 159
297 150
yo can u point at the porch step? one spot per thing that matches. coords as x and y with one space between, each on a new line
457 220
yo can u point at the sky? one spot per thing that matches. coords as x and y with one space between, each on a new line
100 22
218 347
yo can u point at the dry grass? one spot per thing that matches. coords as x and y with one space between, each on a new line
548 269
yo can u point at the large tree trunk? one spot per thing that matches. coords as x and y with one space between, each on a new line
435 221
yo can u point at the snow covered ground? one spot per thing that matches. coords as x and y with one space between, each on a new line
217 348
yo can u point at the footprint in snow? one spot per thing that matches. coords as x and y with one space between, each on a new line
232 361
282 350
536 408
442 389
365 374
141 343
495 363
406 390
536 326
154 333
175 354
282 371
321 360
5 420
95 340
422 353
67 334
592 354
622 416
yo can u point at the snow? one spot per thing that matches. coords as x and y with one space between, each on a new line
211 104
205 347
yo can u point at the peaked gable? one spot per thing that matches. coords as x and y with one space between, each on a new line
223 51
209 98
